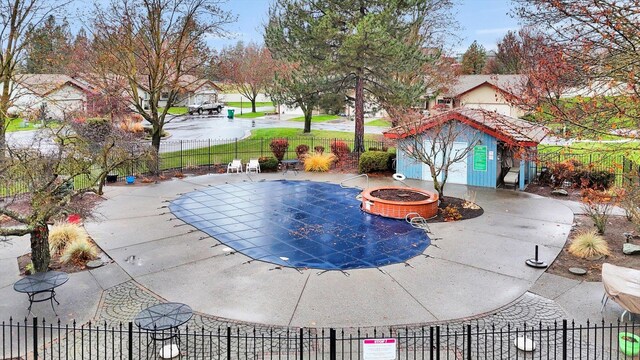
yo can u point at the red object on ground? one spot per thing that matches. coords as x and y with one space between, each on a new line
74 219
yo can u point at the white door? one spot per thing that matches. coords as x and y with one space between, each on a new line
457 171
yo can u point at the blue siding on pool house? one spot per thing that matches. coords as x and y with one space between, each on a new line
484 178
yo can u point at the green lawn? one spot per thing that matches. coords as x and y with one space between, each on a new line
596 150
316 118
255 146
251 115
247 104
379 122
176 110
15 125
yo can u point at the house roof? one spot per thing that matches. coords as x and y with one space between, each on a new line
191 83
513 131
44 84
466 83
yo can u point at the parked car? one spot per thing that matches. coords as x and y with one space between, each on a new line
207 106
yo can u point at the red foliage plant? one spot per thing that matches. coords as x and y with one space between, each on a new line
279 147
340 149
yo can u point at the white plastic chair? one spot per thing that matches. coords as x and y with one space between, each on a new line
253 165
235 165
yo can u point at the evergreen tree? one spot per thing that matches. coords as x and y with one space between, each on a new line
363 46
474 59
508 57
48 47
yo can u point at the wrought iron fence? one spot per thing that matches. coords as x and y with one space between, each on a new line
210 155
559 340
623 168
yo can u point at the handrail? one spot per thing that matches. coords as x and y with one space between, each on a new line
353 178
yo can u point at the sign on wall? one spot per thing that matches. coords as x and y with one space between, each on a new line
480 158
379 349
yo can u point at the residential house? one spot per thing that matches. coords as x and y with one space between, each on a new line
191 90
498 144
489 92
50 96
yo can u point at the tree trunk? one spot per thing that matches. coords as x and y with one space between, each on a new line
40 256
156 133
253 105
308 113
358 143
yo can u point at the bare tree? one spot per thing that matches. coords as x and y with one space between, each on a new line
46 172
251 68
17 17
435 142
146 46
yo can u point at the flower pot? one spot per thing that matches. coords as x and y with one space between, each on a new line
130 179
111 178
629 343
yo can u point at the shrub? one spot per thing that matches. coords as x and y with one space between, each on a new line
279 148
78 252
268 163
318 162
588 245
568 170
372 161
28 269
597 179
319 149
301 150
451 213
64 233
598 205
340 149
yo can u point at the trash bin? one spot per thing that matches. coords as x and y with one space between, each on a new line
230 113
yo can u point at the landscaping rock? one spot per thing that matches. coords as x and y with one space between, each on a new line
630 249
560 192
577 271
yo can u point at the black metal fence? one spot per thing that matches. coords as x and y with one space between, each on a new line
559 340
209 155
621 166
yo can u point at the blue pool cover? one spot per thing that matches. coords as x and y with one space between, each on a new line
300 224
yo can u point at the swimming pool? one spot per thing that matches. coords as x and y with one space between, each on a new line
302 224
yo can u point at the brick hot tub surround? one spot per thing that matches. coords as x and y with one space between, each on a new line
399 209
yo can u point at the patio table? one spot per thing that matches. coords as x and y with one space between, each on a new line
162 318
290 165
41 283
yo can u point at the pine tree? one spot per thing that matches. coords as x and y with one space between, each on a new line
509 55
363 46
48 47
474 59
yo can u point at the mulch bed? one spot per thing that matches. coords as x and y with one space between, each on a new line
466 213
616 226
575 194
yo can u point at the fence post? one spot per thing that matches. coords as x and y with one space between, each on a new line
209 154
180 155
332 344
437 342
431 344
261 147
229 342
564 339
468 341
35 338
301 343
236 149
130 340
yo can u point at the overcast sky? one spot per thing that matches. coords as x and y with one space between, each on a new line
483 20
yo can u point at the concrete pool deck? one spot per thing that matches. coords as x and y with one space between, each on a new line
475 266
475 271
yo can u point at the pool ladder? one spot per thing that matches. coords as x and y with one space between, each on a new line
417 221
353 178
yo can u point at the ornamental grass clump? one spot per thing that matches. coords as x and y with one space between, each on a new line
318 162
63 234
79 252
589 244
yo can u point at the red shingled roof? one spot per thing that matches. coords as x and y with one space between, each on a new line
505 128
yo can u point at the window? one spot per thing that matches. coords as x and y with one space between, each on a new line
445 101
164 96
